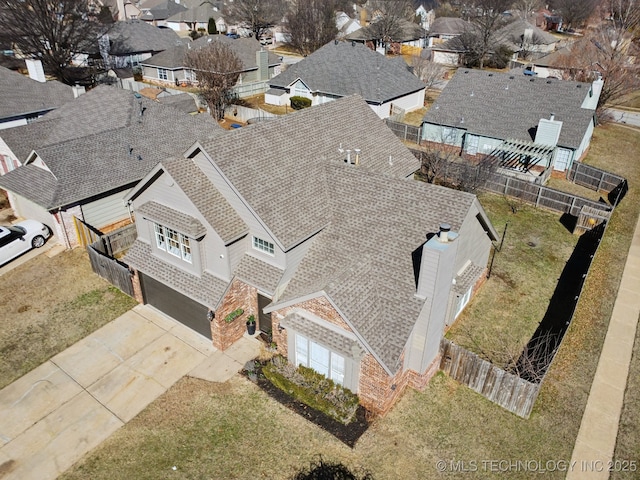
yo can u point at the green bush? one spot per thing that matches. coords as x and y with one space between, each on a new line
298 103
211 27
313 389
233 315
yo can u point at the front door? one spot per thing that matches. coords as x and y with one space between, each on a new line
264 319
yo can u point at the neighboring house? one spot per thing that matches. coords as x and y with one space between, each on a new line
339 69
121 9
548 21
427 17
408 34
526 40
129 42
325 238
156 12
169 67
346 25
80 159
23 100
197 18
479 110
443 40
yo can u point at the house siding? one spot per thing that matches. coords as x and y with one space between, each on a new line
105 211
256 228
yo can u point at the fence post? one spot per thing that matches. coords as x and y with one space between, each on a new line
506 186
573 203
539 195
600 183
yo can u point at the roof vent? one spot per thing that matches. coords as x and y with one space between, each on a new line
443 233
553 116
466 71
335 41
579 85
472 94
353 43
511 77
357 152
548 81
532 79
491 74
390 160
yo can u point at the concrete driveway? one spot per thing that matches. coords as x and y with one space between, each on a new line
64 408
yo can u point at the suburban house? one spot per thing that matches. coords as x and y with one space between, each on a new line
480 112
346 25
169 67
339 69
23 100
156 12
197 18
349 265
129 42
79 160
526 40
441 44
408 34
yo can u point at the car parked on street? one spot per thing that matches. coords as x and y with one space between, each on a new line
20 238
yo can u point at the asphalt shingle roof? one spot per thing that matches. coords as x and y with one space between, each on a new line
503 105
209 201
512 35
449 26
293 191
20 95
172 218
261 275
98 143
244 48
345 68
407 31
132 36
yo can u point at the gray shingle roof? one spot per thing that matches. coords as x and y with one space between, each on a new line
172 218
201 13
292 192
261 275
244 48
449 26
133 36
512 34
346 69
503 105
206 289
209 201
21 95
160 9
407 31
363 258
182 102
99 143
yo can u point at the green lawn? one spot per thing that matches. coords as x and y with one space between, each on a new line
234 431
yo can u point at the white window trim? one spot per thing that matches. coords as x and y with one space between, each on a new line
263 246
173 242
463 301
163 74
336 368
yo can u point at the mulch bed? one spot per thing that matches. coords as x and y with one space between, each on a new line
348 434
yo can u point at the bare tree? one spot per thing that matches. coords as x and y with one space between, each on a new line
574 13
487 16
603 52
52 30
311 24
388 18
525 8
217 69
257 15
431 73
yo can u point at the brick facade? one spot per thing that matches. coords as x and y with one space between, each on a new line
239 295
378 391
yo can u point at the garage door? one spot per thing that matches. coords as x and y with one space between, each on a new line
176 305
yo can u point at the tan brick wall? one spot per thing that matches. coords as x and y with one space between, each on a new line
239 295
137 288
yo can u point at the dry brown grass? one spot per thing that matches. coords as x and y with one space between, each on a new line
48 304
234 430
257 101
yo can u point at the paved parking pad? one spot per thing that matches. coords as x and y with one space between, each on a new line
51 417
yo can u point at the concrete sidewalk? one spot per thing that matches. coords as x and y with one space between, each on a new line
598 432
51 417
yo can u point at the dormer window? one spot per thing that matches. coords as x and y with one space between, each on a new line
173 242
263 246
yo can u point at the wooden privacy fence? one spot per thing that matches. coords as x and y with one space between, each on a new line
406 132
593 178
497 385
119 240
541 196
112 270
86 233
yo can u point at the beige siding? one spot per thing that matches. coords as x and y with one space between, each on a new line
105 211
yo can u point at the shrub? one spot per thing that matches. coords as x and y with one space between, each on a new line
298 103
312 389
233 315
211 27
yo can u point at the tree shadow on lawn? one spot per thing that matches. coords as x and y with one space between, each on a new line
347 434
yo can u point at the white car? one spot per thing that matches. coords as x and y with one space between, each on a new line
20 238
